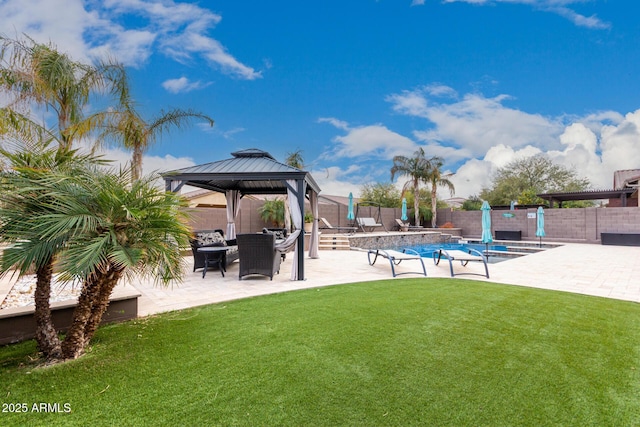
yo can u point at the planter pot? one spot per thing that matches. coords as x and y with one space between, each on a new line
308 226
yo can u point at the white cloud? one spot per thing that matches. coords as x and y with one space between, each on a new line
182 85
375 141
87 30
476 123
559 7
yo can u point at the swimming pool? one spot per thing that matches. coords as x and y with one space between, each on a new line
426 251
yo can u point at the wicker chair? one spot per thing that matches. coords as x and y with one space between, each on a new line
199 257
258 255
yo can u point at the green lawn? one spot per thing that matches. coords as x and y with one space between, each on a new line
403 352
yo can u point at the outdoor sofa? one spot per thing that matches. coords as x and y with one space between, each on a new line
212 238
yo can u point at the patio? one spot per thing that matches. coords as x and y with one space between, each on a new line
604 271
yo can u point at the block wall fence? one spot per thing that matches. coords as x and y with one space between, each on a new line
569 225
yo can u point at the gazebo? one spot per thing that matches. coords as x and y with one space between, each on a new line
255 171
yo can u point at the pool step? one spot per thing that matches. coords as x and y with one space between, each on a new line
333 242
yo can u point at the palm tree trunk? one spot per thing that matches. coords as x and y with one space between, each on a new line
73 344
107 281
416 203
434 206
136 163
46 335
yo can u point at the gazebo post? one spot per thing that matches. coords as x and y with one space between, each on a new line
301 193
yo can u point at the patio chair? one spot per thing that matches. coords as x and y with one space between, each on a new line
395 258
368 223
326 226
464 257
205 238
258 255
401 224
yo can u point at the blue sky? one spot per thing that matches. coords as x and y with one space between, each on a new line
353 83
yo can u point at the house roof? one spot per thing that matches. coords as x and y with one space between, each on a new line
251 171
625 178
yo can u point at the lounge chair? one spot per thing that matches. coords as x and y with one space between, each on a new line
395 258
368 223
464 257
402 224
258 255
205 238
326 226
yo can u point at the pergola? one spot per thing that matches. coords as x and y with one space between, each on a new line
255 171
559 198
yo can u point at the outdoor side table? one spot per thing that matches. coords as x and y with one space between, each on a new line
214 255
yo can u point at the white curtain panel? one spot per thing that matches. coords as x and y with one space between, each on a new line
233 207
313 240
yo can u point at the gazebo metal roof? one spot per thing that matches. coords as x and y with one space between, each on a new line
250 171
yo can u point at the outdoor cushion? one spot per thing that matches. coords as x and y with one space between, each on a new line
206 238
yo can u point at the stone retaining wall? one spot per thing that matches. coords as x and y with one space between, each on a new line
395 240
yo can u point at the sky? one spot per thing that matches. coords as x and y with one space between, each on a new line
354 83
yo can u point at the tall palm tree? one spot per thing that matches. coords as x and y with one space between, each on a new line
436 178
415 168
32 72
130 130
295 159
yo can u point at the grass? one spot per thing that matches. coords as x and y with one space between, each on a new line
403 352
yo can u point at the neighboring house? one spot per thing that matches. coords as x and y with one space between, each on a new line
205 199
455 202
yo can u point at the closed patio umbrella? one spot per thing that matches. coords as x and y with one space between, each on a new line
486 226
350 215
540 221
404 210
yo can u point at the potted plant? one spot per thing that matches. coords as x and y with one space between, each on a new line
308 222
272 211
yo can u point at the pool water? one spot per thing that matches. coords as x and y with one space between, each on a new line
427 251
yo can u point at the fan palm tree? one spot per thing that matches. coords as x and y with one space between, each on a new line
123 229
22 206
436 178
129 129
415 168
32 72
98 227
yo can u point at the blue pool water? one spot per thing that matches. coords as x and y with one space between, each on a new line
427 250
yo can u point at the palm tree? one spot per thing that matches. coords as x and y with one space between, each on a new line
127 127
126 229
21 207
98 227
415 168
34 72
295 159
436 178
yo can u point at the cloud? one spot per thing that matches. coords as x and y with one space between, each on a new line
372 141
474 122
130 30
559 7
182 85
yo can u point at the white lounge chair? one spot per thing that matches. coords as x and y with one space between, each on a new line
369 223
327 226
464 257
395 257
409 227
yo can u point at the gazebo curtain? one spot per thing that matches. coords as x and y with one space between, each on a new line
233 207
313 240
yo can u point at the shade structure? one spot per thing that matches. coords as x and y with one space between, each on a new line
540 224
404 210
486 226
350 215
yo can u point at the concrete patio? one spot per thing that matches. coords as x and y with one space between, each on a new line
603 271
